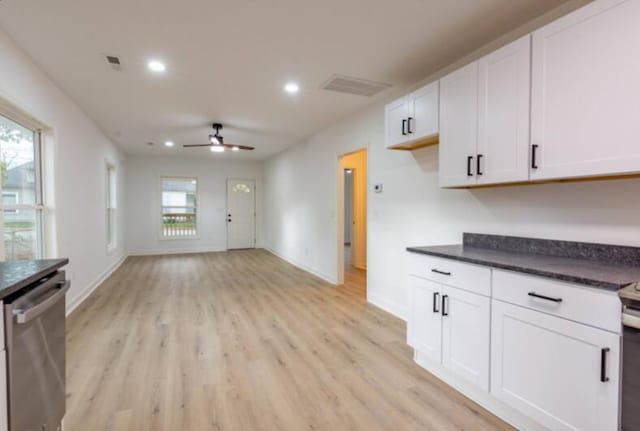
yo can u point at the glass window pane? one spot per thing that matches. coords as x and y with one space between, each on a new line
21 234
179 203
17 161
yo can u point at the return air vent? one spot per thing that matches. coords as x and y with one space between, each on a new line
114 62
357 86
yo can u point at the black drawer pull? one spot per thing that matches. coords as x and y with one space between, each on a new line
548 298
436 297
469 160
534 162
409 120
404 127
445 312
478 161
603 365
437 271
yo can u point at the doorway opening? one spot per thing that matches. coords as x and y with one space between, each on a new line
352 225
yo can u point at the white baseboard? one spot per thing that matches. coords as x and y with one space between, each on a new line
325 277
386 305
174 251
72 305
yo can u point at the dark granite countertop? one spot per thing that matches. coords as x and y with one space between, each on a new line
17 274
603 266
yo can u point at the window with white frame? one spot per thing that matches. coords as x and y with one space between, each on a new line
21 206
179 204
111 207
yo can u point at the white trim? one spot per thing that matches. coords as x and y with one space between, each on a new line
324 277
72 305
386 305
174 251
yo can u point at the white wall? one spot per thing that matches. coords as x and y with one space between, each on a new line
78 151
301 187
143 201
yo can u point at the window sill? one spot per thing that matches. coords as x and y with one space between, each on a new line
172 238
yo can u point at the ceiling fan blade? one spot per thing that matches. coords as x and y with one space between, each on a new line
197 145
242 147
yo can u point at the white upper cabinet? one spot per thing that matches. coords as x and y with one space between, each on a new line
484 119
585 92
423 121
396 114
459 127
562 374
503 118
412 121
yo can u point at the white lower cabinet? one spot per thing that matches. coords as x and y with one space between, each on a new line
424 327
562 374
450 326
466 335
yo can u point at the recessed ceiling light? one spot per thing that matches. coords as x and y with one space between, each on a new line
291 88
168 144
235 149
217 149
156 66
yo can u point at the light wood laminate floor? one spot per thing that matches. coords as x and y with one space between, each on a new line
244 341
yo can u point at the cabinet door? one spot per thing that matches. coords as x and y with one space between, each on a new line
503 114
585 85
396 115
423 112
553 369
424 326
459 127
466 322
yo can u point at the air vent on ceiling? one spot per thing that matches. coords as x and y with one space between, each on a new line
114 62
357 86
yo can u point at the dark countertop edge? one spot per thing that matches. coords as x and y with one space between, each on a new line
55 265
548 274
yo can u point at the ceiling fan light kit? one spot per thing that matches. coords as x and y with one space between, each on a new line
216 142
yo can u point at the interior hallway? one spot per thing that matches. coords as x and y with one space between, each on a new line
244 341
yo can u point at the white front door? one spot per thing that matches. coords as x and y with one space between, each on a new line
241 214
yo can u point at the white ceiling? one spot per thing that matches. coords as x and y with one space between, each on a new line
228 60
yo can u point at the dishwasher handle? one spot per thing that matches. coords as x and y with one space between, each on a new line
25 316
631 319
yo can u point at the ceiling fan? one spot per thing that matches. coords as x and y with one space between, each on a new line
216 142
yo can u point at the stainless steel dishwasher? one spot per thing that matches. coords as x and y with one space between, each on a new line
35 336
631 358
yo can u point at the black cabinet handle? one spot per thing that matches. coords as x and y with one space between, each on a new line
437 271
548 298
534 162
469 160
404 127
603 365
445 312
478 171
409 120
436 297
